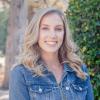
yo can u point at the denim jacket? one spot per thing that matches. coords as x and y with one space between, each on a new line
24 85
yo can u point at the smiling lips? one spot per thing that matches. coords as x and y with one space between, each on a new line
51 42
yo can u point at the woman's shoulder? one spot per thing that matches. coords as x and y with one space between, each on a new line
17 68
21 74
19 71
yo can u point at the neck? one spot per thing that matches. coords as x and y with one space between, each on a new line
51 59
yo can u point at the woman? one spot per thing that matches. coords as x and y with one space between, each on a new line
49 68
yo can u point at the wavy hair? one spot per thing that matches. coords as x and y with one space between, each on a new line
30 51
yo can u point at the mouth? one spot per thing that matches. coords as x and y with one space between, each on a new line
51 42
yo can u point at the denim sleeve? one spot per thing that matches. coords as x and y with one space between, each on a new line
90 95
17 87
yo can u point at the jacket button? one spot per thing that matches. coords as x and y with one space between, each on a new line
67 88
40 90
80 88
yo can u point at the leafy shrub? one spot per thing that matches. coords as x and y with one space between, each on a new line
84 19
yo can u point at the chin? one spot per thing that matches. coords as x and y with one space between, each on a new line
51 50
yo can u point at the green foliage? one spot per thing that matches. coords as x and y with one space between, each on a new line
3 30
84 19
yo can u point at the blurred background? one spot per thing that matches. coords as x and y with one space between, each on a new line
84 21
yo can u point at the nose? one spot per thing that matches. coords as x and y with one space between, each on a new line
52 33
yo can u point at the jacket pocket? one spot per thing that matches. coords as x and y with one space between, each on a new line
79 91
79 87
40 92
37 88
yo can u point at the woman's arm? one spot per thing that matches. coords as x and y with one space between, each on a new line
17 87
89 95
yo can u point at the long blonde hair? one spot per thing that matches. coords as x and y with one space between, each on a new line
30 51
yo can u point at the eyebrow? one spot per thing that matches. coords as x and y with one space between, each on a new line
44 25
48 25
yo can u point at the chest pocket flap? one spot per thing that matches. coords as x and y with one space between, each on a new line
79 87
38 88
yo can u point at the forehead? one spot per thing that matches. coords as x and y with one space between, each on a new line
51 18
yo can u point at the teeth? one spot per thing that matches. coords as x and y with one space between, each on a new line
51 42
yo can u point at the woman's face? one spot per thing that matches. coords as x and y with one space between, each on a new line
51 33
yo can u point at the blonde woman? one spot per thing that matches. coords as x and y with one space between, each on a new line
49 68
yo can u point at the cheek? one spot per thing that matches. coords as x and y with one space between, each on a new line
41 37
61 37
43 34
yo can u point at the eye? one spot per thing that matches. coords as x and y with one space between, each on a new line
45 28
59 29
